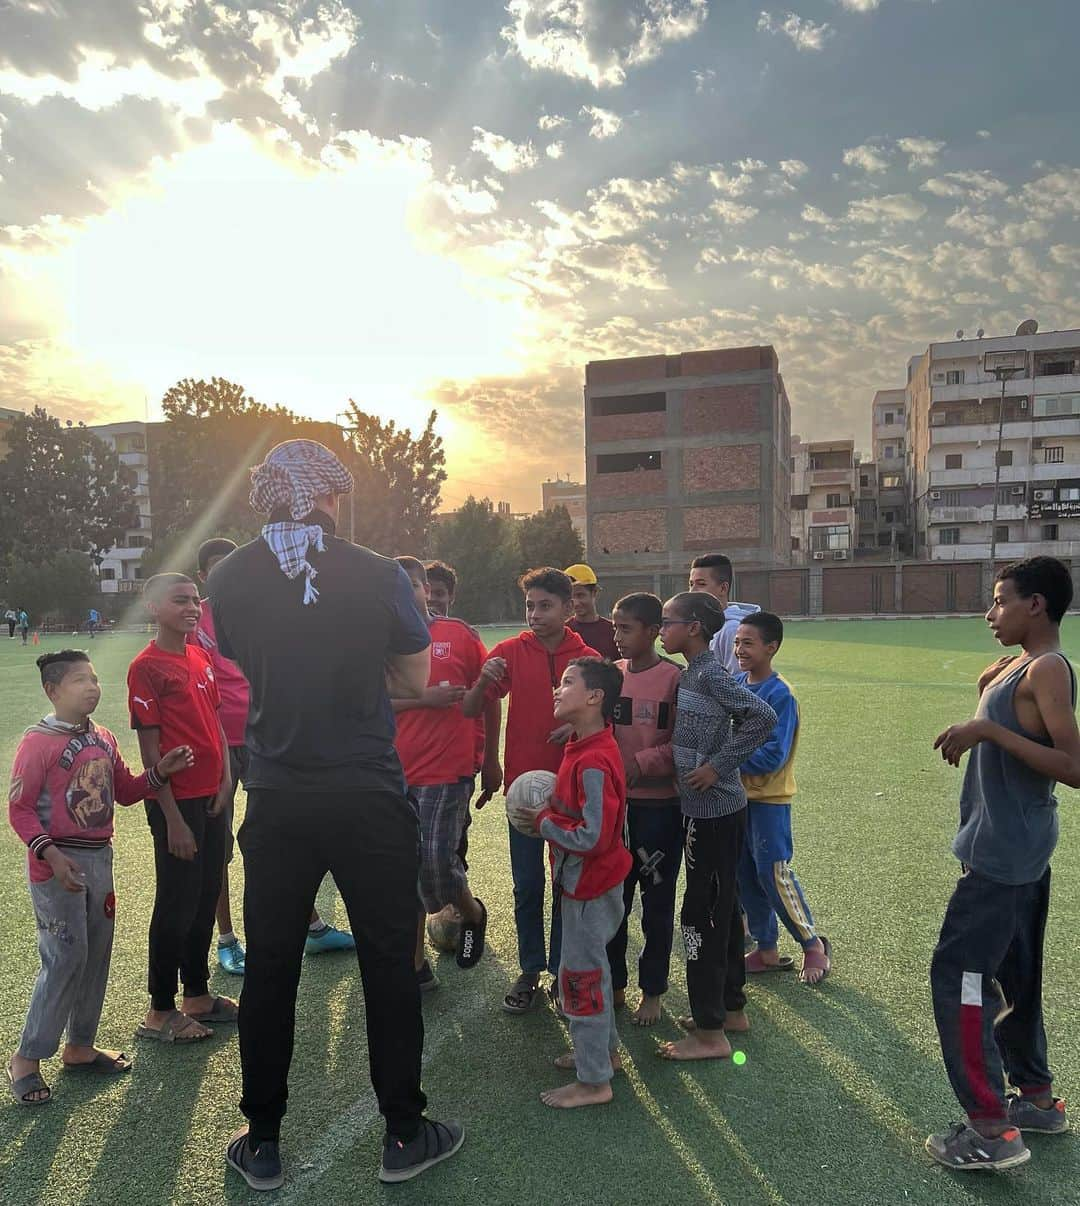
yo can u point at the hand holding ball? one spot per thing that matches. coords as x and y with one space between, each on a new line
525 797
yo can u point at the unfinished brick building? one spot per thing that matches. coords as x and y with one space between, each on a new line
686 454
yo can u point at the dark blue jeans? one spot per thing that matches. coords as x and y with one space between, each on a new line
656 842
530 869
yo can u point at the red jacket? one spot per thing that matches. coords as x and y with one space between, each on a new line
584 823
532 674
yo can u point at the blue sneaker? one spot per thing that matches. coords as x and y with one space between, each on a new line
231 957
328 939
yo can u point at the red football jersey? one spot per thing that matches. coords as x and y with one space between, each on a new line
178 694
438 745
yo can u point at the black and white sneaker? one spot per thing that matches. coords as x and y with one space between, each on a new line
259 1166
433 1143
963 1149
471 939
1027 1116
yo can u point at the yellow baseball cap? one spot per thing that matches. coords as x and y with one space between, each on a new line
583 575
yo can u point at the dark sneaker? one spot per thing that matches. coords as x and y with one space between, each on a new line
962 1149
434 1142
1026 1115
260 1167
426 980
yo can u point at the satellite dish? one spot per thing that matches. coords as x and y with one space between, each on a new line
1028 327
979 333
959 334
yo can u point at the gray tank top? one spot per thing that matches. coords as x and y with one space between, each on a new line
1008 812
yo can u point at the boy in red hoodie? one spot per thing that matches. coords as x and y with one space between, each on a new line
583 823
66 778
528 668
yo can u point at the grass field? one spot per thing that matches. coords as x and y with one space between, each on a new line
840 1086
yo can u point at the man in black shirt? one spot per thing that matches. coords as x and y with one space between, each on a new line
325 794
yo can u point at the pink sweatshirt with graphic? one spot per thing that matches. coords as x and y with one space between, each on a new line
65 781
644 720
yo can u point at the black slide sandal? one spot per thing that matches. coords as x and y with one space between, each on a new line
470 945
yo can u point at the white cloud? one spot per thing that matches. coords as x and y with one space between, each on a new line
921 152
794 169
1058 192
504 154
552 121
732 212
992 233
818 217
702 79
733 186
896 207
555 150
1066 254
978 185
860 6
870 157
605 124
598 41
804 33
982 134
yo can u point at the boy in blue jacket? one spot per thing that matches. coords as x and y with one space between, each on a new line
768 887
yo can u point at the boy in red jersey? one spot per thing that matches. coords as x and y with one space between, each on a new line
435 742
173 698
528 668
583 823
65 780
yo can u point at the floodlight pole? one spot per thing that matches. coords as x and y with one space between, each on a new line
352 493
1003 375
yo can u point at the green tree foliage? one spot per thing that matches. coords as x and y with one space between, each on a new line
61 489
58 590
548 538
480 544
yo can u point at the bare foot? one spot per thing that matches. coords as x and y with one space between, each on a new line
20 1067
569 1097
568 1063
647 1013
698 1044
813 975
619 998
736 1022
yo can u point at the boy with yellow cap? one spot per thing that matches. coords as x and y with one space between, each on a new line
593 629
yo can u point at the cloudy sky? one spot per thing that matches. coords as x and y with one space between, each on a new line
460 202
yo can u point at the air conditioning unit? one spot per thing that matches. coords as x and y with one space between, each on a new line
840 555
1043 496
819 556
935 495
1017 491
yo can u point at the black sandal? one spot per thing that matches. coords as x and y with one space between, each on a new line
470 944
522 995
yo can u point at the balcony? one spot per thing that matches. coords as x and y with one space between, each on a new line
983 475
1014 429
1011 550
1006 513
833 477
832 517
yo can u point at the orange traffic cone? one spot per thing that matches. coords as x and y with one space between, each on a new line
35 640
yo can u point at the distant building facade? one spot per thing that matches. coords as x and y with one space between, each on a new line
571 495
121 568
824 500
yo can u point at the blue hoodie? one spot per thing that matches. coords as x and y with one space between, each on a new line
723 644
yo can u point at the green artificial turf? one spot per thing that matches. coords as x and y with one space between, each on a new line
840 1085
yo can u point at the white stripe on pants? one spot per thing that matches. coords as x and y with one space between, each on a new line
75 937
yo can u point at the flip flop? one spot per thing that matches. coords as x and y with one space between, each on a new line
25 1085
222 1010
470 944
817 959
175 1029
521 997
103 1062
756 966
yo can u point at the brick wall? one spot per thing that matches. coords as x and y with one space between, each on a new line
725 360
721 408
731 524
626 485
625 531
731 467
633 368
628 427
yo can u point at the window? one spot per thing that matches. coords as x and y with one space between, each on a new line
1004 457
1056 404
627 462
891 481
791 467
952 498
1001 533
107 573
864 480
954 460
1055 455
949 536
834 500
884 539
794 544
798 502
1049 531
138 575
629 404
1069 494
867 510
839 537
890 451
889 418
1005 495
1055 368
889 517
954 377
138 542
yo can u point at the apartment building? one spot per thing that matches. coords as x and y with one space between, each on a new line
121 570
884 529
686 454
571 495
825 500
953 404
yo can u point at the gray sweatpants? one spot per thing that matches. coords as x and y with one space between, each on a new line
585 981
75 937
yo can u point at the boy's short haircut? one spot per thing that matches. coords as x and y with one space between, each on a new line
643 607
55 666
156 586
700 606
219 546
1045 576
413 565
717 564
547 578
439 571
601 675
770 626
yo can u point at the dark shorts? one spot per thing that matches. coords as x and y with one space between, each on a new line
238 769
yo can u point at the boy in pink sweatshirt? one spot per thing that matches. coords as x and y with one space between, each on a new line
644 719
65 779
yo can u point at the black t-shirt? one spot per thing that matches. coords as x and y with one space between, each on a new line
320 717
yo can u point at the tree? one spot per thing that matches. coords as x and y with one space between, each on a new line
398 482
480 545
61 488
59 589
548 538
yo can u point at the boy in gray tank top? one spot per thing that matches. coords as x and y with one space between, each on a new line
986 973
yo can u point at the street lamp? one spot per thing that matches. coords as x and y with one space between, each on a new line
348 427
1003 366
